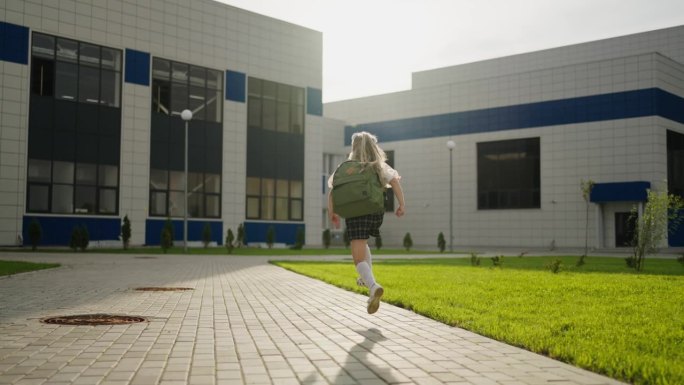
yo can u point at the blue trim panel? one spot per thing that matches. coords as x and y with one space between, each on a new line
314 101
285 232
619 192
14 43
137 67
235 86
57 230
675 236
619 105
153 229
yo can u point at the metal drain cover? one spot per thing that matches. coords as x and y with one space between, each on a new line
163 288
93 319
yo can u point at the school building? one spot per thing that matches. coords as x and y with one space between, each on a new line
91 131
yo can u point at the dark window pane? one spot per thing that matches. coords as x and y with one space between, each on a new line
85 200
66 81
42 77
43 46
161 96
159 179
198 77
161 69
283 120
38 197
88 85
89 55
39 170
179 73
63 172
198 102
111 59
214 106
108 176
212 183
67 50
254 114
176 204
195 204
111 88
253 207
297 117
254 87
214 80
269 114
158 203
107 201
270 90
179 98
86 173
213 209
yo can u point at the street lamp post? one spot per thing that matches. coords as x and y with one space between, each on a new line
186 115
450 145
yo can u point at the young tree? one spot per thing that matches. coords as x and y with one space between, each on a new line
661 208
126 232
85 238
586 187
166 239
241 235
378 242
229 241
408 242
299 239
75 240
270 236
441 242
206 235
35 232
327 238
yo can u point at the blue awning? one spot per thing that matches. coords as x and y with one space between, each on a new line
620 192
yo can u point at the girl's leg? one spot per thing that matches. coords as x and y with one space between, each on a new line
369 259
358 247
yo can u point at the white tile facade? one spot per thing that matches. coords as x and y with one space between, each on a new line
605 151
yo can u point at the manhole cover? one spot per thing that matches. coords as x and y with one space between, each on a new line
93 319
163 288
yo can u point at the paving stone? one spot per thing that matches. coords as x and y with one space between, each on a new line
246 322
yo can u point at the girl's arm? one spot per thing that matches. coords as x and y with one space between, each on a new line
334 218
396 187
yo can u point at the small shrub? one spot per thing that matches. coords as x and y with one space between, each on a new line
229 241
522 254
241 235
85 238
299 239
631 262
555 266
126 232
35 233
474 259
166 239
681 259
441 242
378 242
206 235
270 236
75 240
327 238
581 261
498 261
408 242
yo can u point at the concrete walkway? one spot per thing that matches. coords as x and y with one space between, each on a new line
245 322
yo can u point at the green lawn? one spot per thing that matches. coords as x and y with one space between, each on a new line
602 316
13 267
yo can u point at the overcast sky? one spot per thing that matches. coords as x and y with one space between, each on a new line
371 47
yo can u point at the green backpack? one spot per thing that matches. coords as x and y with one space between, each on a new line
357 190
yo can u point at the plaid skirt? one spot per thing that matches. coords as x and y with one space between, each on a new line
364 226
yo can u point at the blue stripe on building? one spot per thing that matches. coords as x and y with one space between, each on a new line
57 230
153 229
585 109
620 192
284 232
235 86
314 101
137 67
14 43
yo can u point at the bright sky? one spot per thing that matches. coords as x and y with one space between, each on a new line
371 47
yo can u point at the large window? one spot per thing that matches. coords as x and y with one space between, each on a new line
508 174
275 106
176 87
275 151
74 127
675 163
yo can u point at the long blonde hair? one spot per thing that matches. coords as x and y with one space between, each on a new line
365 149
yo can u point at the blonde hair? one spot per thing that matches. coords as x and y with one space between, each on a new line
365 149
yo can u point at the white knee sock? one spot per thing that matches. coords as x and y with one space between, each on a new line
369 259
366 274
